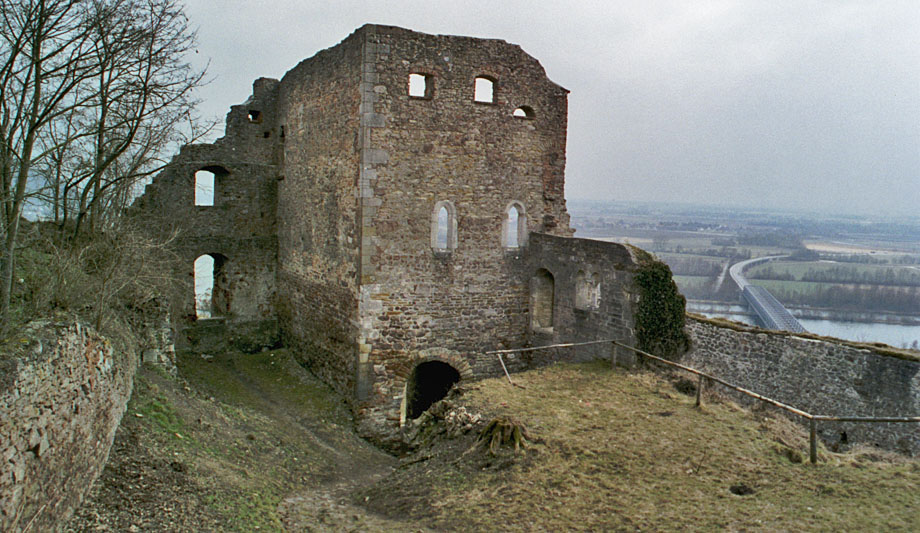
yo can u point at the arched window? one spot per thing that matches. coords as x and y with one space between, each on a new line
484 90
204 188
207 181
542 290
444 227
210 286
524 111
514 228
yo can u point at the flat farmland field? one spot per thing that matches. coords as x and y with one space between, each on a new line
837 272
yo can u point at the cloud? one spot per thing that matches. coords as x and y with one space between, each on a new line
784 104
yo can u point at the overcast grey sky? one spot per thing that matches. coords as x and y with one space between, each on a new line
789 104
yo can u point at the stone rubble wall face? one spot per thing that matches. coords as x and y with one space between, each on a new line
241 225
819 377
59 409
480 158
317 234
610 318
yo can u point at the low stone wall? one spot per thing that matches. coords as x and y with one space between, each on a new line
821 377
606 272
60 405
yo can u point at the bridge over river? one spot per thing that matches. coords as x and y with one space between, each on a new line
771 313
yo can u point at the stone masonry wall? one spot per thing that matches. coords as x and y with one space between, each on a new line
420 151
362 288
240 227
605 270
821 377
59 408
319 105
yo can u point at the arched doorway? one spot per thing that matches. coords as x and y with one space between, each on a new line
429 382
211 294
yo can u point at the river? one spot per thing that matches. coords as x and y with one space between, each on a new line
897 335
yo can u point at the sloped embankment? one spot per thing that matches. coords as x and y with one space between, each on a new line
252 442
221 447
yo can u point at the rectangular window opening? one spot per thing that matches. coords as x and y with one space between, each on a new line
420 85
483 91
204 188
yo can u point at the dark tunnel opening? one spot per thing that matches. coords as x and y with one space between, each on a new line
429 382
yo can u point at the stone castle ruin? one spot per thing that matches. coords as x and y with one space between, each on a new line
392 208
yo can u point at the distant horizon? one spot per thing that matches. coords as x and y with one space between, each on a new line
869 214
34 212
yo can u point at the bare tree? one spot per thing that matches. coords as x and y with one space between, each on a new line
46 59
144 88
91 94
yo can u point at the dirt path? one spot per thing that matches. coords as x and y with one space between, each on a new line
326 506
236 443
329 508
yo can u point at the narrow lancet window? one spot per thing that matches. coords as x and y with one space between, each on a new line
514 229
444 227
513 219
443 220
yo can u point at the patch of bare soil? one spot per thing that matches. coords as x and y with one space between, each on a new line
332 508
144 491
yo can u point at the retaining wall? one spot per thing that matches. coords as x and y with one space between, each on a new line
821 377
60 405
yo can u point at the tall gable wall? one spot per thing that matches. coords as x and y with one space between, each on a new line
317 234
443 147
239 227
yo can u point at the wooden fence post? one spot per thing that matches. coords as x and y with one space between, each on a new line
699 391
813 441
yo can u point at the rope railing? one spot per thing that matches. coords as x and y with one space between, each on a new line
812 418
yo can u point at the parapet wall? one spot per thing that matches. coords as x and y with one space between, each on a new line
594 294
822 377
59 408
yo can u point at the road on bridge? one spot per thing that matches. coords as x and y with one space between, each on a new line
770 311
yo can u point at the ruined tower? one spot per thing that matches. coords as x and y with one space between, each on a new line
406 194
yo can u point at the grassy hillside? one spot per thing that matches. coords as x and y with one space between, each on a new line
254 443
222 446
625 451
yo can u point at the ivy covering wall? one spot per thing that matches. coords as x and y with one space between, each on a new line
660 314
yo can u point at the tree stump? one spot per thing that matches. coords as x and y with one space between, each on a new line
503 431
